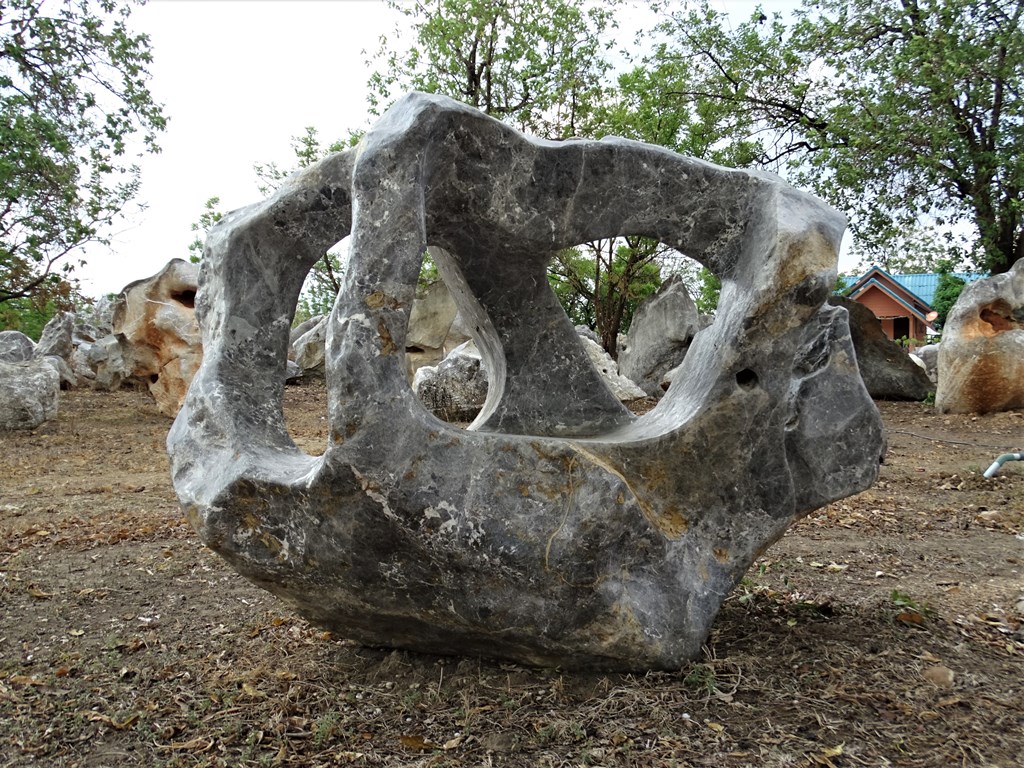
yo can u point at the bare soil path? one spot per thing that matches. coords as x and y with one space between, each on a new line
884 630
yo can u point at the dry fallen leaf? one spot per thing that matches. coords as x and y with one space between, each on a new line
198 744
25 680
252 691
417 742
452 743
119 725
939 676
910 617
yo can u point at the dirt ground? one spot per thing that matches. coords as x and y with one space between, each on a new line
884 630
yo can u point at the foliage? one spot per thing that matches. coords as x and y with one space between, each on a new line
646 107
73 96
535 64
708 291
600 284
946 294
25 314
899 112
202 228
321 287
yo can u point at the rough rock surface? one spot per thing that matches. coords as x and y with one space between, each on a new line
456 388
888 371
101 363
308 349
929 355
562 530
56 345
433 312
15 347
28 393
154 321
55 339
660 333
624 389
305 326
981 358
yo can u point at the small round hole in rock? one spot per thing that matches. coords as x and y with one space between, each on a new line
746 379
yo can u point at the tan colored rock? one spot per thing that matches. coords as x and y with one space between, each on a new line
981 358
154 321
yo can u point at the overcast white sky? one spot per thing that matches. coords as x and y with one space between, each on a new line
239 79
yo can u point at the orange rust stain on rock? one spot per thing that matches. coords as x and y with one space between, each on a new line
721 554
379 299
387 344
671 522
998 317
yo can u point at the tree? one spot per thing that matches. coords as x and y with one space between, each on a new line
207 219
902 113
946 293
538 65
600 284
535 64
73 98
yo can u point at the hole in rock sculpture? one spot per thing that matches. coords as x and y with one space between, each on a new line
562 530
186 297
746 378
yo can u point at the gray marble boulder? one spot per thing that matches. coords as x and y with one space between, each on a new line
29 393
981 358
929 355
15 347
622 387
456 388
308 350
304 327
561 530
102 363
56 338
660 333
56 345
888 371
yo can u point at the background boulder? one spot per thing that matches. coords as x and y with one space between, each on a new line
981 358
28 393
154 321
15 347
886 368
660 333
455 389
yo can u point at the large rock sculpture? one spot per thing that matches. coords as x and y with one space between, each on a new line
981 358
562 530
888 371
154 321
